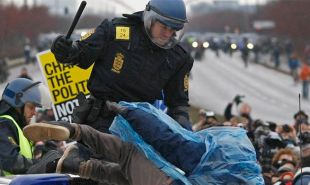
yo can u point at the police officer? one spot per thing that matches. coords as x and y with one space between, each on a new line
17 106
135 57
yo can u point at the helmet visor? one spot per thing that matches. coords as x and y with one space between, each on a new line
38 94
151 17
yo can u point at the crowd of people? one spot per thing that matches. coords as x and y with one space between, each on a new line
281 150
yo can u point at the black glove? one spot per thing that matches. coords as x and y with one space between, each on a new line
62 49
237 99
81 112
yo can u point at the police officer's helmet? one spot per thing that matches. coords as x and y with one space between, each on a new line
171 13
21 91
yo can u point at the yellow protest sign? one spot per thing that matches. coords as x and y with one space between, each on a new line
64 83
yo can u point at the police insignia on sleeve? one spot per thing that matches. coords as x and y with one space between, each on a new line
186 83
88 34
122 33
118 63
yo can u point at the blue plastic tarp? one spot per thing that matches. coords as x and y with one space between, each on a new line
230 157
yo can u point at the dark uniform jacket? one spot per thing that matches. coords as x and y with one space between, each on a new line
10 158
129 67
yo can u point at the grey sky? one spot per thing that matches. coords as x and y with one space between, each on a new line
140 4
135 4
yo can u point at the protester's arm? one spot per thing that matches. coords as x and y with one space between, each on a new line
227 113
11 160
180 114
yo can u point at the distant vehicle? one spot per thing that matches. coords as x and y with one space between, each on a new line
193 44
253 40
212 41
230 43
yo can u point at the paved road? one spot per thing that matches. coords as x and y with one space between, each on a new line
272 95
33 70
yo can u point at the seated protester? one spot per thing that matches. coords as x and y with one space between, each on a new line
218 155
274 141
285 173
17 106
207 119
300 117
244 110
211 119
288 135
303 127
239 122
302 176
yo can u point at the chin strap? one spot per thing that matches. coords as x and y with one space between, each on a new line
4 107
20 113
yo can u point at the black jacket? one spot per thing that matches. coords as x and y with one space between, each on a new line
134 69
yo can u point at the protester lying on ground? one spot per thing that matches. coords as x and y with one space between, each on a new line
217 155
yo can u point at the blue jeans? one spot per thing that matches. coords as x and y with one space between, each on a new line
184 154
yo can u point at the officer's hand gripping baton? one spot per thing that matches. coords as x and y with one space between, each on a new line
76 18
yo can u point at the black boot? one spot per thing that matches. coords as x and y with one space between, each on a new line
72 159
56 130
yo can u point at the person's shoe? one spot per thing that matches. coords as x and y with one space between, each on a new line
56 130
73 157
115 107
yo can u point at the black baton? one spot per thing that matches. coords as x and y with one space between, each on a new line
76 18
